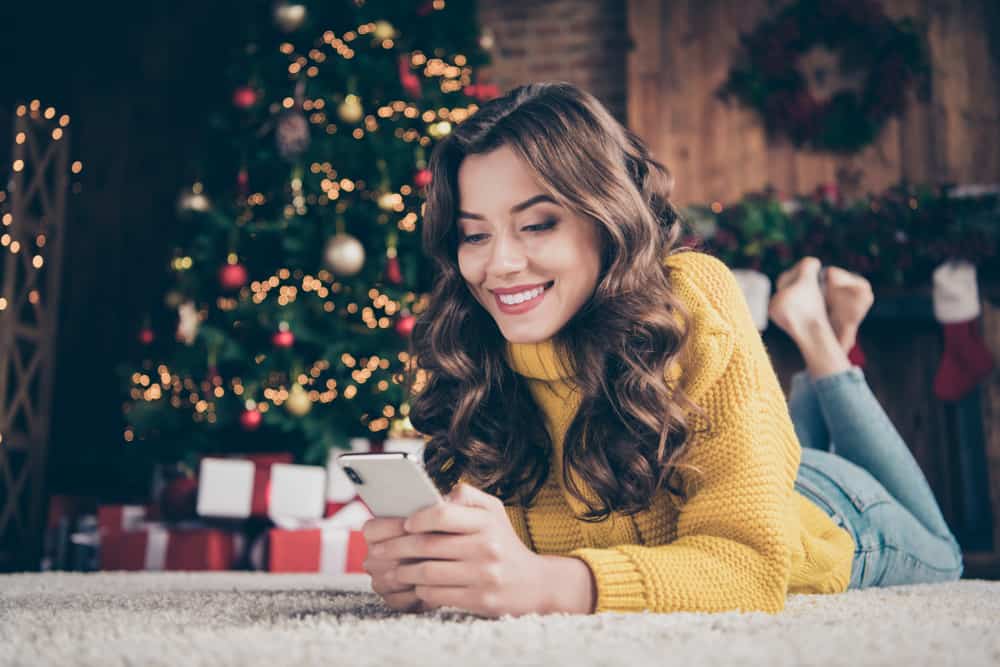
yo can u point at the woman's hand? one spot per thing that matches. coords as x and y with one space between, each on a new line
400 597
461 553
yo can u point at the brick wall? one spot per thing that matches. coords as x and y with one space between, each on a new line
584 42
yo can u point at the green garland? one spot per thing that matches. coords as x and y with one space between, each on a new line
828 74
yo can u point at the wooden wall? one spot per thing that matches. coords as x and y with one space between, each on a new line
683 50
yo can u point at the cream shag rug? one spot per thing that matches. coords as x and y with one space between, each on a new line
245 618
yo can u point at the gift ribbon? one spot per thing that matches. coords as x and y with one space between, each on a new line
157 538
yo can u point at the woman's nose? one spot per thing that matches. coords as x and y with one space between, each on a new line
508 255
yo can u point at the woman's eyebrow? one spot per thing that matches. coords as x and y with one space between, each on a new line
516 208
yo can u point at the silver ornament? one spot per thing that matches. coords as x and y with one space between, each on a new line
344 254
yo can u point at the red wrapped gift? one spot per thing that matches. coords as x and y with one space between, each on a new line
156 547
335 545
329 551
113 519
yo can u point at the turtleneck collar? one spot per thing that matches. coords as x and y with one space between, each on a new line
540 361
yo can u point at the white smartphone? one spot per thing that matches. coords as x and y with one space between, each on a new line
391 483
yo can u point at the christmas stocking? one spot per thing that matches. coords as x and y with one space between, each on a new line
757 289
966 361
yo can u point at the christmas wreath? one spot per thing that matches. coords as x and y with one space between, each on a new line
829 73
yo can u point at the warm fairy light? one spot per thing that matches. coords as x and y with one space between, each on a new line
15 247
716 207
64 120
37 261
286 48
18 165
3 303
129 435
57 134
20 137
288 102
21 110
77 167
34 105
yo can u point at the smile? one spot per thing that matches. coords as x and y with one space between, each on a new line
516 304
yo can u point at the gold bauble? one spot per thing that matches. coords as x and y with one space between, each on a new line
383 30
298 404
344 254
350 110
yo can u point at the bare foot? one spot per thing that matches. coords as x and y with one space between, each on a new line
798 306
848 298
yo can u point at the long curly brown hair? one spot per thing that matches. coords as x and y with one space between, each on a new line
478 413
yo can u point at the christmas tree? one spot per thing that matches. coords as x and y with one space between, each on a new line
298 271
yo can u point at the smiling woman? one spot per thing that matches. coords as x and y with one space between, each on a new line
604 401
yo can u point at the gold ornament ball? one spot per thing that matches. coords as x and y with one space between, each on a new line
440 129
383 30
344 255
387 201
350 110
289 15
298 404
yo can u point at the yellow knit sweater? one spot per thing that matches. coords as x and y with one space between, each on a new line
745 538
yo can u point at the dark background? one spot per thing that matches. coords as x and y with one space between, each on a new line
137 80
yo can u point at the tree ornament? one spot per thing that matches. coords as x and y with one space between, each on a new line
344 254
232 276
350 110
244 97
298 404
283 338
188 321
179 496
146 335
193 199
292 134
243 182
387 201
289 16
482 91
405 323
251 417
409 80
383 31
422 178
392 271
439 130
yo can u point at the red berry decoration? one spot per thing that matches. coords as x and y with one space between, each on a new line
232 276
243 182
283 339
244 97
250 419
422 178
146 336
404 325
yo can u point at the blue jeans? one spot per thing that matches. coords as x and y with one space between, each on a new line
857 468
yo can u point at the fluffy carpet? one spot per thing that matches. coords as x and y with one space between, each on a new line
243 618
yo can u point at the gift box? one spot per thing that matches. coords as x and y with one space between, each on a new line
260 486
335 545
157 547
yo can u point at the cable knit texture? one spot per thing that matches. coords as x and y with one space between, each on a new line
745 538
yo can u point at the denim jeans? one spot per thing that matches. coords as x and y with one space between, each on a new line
856 467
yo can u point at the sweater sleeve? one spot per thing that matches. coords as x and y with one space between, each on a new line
732 547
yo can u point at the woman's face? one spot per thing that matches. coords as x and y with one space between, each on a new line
512 235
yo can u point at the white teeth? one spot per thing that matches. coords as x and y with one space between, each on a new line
513 299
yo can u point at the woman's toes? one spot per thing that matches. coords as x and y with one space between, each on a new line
848 297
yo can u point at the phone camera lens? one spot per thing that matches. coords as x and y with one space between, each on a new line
353 475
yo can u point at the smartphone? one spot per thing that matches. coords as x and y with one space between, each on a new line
391 483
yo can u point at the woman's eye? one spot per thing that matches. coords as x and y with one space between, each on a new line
541 227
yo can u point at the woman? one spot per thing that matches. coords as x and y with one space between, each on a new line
606 405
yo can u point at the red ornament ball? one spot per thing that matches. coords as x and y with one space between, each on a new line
250 419
146 336
244 97
283 339
232 276
404 325
392 271
422 178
